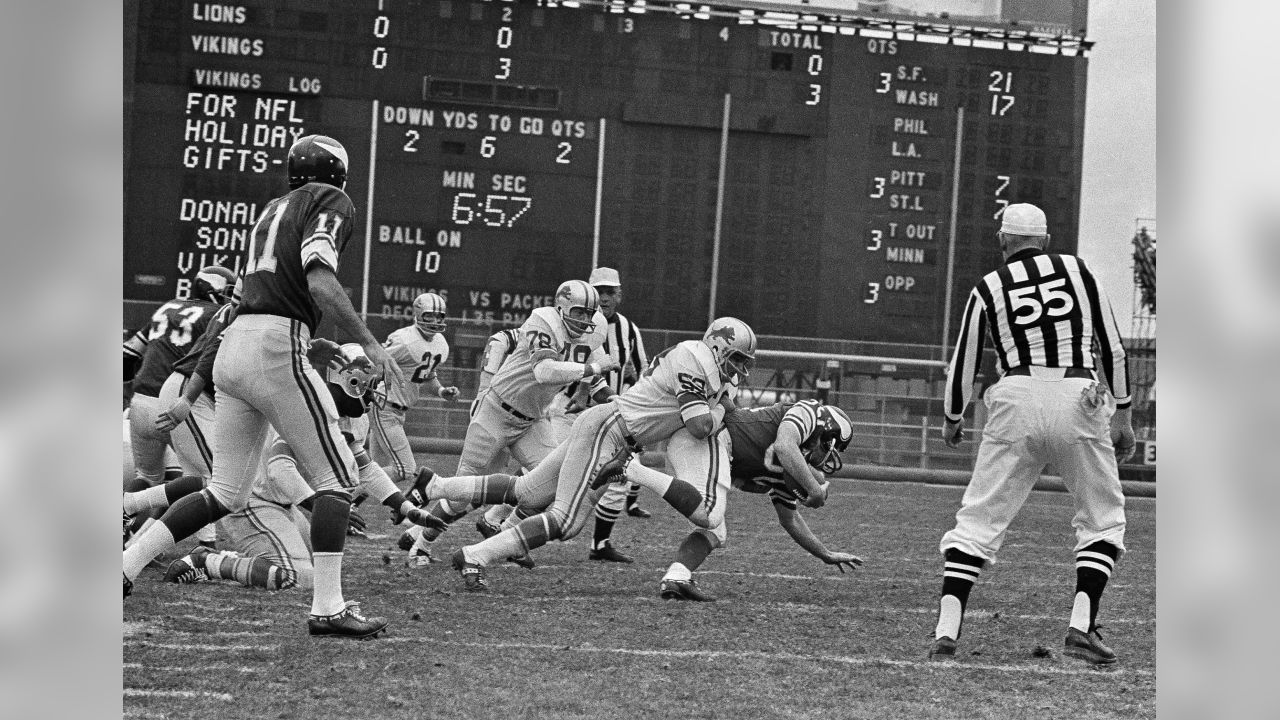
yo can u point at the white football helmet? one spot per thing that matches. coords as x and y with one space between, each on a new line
428 314
577 294
733 343
359 375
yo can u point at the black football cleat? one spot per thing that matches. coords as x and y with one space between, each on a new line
608 553
636 511
348 623
523 561
472 574
128 585
1088 647
683 590
486 528
188 568
944 648
615 470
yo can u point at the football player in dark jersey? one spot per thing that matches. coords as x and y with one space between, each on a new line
783 450
264 380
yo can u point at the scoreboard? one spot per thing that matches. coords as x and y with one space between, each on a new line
498 148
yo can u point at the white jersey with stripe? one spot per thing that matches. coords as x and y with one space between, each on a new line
1041 309
681 383
418 359
543 337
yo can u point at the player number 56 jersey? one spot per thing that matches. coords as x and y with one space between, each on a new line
681 383
418 359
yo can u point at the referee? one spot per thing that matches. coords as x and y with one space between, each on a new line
623 343
1046 317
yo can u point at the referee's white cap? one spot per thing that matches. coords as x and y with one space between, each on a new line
1023 219
604 277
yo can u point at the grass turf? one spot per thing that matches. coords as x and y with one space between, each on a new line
788 638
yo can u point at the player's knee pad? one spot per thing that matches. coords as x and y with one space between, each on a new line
716 536
217 507
336 494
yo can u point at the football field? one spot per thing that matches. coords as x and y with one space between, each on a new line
788 638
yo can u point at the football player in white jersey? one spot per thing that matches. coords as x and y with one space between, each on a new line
557 345
685 386
419 349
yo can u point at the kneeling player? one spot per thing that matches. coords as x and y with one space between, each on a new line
268 549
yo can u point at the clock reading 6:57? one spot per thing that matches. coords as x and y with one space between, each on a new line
495 211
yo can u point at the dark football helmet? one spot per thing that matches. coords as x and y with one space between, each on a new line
832 437
317 158
214 283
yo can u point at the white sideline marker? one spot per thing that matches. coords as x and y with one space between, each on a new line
138 692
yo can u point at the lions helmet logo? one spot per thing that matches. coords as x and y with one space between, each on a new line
724 333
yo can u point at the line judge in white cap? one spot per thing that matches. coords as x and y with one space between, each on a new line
1022 226
1054 405
623 343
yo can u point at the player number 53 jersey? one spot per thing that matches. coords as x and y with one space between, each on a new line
681 383
418 359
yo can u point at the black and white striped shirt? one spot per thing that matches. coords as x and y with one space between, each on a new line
1041 309
622 342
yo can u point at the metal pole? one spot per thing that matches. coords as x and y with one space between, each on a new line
368 215
951 242
595 238
715 240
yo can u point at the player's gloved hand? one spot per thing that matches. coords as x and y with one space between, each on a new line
840 559
356 524
419 516
325 353
447 393
953 433
818 499
629 374
174 416
391 372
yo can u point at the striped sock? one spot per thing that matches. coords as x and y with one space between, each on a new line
1094 564
605 519
959 573
633 494
442 509
254 571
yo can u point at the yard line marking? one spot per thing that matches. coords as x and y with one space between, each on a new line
866 576
200 669
816 607
240 621
210 648
138 692
799 657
